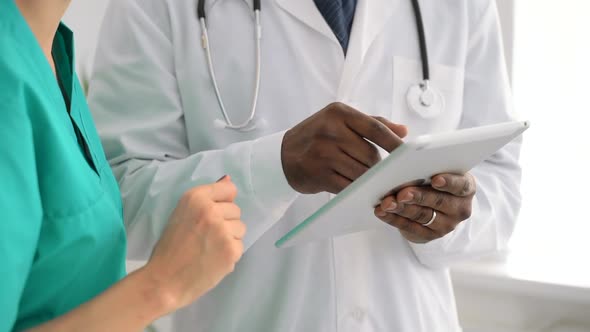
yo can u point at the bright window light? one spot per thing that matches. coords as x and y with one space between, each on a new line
552 89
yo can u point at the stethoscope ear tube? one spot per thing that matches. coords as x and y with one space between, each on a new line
422 98
201 9
248 124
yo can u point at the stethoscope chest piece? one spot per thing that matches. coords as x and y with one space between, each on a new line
425 100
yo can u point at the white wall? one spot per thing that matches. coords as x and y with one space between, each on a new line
544 283
492 309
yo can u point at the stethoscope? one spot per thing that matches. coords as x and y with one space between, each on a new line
422 97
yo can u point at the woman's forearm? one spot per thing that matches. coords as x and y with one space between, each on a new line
130 305
200 245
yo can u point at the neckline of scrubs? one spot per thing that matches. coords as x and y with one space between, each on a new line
20 24
63 55
63 59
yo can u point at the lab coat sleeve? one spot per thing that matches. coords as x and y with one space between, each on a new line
487 100
134 97
20 202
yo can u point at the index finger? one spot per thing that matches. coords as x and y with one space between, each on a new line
372 129
400 130
224 190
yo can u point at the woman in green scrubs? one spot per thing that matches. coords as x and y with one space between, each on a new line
62 238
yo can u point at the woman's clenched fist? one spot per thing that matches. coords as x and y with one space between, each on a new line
200 245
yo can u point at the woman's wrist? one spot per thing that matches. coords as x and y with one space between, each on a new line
159 298
129 305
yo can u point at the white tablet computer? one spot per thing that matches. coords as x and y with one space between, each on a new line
412 163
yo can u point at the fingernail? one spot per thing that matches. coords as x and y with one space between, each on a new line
392 207
439 182
381 213
221 178
409 198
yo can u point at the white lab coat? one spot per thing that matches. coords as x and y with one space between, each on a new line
154 105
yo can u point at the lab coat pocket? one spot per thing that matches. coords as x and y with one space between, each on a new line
447 80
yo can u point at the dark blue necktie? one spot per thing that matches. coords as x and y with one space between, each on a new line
339 15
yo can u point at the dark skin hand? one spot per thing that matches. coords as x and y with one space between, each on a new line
329 150
451 195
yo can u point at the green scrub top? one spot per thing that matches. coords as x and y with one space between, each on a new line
62 238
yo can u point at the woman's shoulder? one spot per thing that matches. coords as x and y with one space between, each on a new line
20 78
12 80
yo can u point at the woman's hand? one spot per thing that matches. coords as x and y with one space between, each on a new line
201 244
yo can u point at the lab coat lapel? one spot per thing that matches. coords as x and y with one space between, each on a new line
369 20
307 12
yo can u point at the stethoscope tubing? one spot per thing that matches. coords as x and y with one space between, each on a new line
422 40
246 125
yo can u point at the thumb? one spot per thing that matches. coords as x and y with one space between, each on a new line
224 190
400 130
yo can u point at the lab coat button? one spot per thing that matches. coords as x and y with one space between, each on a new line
358 314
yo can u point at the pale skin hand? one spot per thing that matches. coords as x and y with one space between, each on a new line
200 246
193 257
451 195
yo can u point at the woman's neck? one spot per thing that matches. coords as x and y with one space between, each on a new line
43 17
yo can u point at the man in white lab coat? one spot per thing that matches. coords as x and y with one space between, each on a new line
155 107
